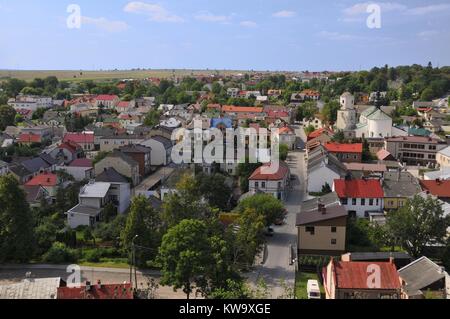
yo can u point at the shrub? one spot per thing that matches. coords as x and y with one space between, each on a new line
60 253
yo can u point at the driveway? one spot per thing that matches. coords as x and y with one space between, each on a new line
276 268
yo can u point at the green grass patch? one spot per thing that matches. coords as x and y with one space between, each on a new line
301 280
106 263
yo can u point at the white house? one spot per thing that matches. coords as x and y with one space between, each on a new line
270 183
119 192
322 168
361 197
161 150
81 169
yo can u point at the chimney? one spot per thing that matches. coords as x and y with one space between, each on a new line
324 210
88 285
438 181
391 260
99 284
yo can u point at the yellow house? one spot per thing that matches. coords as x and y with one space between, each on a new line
443 157
398 187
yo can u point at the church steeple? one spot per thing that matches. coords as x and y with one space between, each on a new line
378 100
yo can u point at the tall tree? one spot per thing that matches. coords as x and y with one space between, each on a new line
142 221
214 189
16 223
419 223
265 204
7 116
185 255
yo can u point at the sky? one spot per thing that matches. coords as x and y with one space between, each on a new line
278 35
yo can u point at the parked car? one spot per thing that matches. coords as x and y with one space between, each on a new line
269 232
313 290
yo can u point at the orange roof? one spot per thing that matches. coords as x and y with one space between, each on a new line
319 132
242 109
439 188
344 148
282 171
44 179
310 92
29 138
285 130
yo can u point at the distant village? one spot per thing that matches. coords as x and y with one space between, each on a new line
363 175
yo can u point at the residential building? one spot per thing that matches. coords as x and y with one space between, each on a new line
414 150
233 92
35 195
287 137
256 113
142 155
438 188
346 153
274 183
322 169
29 139
84 139
3 168
399 258
107 100
92 199
122 163
119 192
398 187
366 170
321 225
443 157
27 169
350 280
316 122
361 197
80 169
161 154
110 143
66 152
31 102
422 277
49 181
98 291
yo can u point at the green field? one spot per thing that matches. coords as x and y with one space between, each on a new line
80 75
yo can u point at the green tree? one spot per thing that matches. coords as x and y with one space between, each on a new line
214 189
16 223
152 117
329 111
309 129
184 256
244 170
427 95
419 223
306 110
284 151
7 116
142 221
265 204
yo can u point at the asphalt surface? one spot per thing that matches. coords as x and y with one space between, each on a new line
277 272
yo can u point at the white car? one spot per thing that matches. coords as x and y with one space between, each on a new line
313 290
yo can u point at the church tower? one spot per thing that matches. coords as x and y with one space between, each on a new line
346 116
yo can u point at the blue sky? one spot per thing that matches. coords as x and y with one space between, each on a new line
225 34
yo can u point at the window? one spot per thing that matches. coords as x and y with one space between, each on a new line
371 202
363 201
333 241
263 184
256 184
333 229
344 201
353 201
279 184
310 230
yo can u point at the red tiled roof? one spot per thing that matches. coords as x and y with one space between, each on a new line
439 188
70 146
44 179
29 138
383 154
242 109
109 291
106 97
79 138
123 104
354 275
81 162
310 92
285 130
358 188
277 114
319 132
344 148
283 170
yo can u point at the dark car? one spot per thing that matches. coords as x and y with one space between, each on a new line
269 232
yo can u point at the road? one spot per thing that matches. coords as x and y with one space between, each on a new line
276 268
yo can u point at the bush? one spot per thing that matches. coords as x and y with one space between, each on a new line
60 253
93 255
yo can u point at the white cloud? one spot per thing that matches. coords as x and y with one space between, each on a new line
249 24
284 14
155 12
105 24
428 9
361 8
336 36
209 17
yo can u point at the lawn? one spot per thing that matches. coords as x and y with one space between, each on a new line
107 263
301 279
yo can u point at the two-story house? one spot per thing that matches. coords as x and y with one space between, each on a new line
161 154
142 155
84 139
398 187
274 183
346 153
321 226
119 193
122 163
361 197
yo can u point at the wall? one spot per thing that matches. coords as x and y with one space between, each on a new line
317 178
321 240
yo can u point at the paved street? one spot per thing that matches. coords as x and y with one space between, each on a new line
276 268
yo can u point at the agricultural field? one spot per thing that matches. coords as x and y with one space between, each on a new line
79 75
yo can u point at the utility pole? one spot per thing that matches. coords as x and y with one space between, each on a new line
133 260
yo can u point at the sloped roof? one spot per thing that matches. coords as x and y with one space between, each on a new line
400 184
439 188
243 109
333 211
281 173
358 188
79 138
81 162
110 175
45 179
42 288
105 291
344 148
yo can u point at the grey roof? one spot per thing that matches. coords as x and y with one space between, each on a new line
124 157
32 193
35 164
134 148
165 141
85 210
50 160
400 184
333 211
155 202
96 189
19 170
382 255
319 157
326 200
43 288
3 164
420 274
110 175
